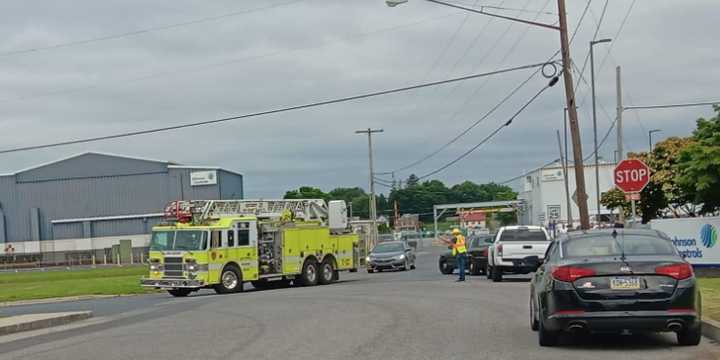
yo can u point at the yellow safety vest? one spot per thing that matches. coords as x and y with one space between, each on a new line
459 246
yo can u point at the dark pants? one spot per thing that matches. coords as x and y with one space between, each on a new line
461 259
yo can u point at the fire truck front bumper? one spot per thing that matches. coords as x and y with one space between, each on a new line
172 283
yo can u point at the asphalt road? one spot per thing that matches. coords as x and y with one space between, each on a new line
418 314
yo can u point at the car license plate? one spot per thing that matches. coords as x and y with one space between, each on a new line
625 283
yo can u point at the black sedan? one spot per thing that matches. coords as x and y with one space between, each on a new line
614 280
477 256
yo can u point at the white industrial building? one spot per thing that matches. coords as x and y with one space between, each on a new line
545 197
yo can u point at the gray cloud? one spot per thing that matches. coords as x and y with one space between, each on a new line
319 49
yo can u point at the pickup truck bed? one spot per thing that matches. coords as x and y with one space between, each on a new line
512 247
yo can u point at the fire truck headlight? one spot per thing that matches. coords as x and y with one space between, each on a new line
155 266
192 267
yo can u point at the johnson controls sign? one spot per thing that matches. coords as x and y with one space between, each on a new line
200 178
695 238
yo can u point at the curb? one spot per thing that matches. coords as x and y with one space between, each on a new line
711 329
58 300
22 323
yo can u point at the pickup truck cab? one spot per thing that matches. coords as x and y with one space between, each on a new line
516 250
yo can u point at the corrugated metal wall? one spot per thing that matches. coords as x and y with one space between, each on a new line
180 178
231 185
94 185
67 231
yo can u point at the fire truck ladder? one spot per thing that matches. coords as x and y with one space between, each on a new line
305 209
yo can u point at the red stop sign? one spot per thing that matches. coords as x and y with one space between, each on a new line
631 175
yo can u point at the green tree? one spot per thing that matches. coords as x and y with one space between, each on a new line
663 192
699 165
412 180
306 192
347 194
615 199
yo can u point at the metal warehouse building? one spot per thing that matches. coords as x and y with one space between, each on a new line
91 200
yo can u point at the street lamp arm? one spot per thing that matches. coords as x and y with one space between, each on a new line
483 12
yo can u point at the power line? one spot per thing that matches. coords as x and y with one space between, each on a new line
605 138
667 106
192 69
617 34
472 45
597 30
448 44
273 111
464 132
467 130
142 31
528 172
469 98
492 134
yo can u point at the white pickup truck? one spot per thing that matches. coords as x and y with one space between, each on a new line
516 250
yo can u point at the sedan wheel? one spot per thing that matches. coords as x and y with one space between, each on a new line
445 268
533 316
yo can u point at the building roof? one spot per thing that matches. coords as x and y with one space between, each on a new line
472 216
170 164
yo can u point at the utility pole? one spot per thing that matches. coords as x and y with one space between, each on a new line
650 142
569 92
372 207
566 167
572 114
565 175
619 128
595 133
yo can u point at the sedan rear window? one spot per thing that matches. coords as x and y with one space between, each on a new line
523 234
606 245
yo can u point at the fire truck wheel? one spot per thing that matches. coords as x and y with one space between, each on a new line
180 292
327 272
230 281
309 276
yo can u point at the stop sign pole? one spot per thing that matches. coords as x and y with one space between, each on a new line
631 176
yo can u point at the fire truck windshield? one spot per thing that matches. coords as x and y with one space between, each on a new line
178 240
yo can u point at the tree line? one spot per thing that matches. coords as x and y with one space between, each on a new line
414 198
685 178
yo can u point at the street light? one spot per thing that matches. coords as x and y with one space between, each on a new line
562 28
650 137
394 3
595 133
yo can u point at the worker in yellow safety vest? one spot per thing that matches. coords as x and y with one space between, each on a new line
459 251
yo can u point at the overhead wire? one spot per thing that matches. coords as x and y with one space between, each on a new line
667 106
492 134
515 90
272 111
210 66
144 30
597 30
467 101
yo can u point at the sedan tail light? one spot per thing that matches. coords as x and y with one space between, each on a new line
485 252
678 271
571 273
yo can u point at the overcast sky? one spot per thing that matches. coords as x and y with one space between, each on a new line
202 60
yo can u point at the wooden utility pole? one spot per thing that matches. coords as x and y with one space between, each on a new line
572 114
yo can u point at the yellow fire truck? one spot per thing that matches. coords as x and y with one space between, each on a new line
221 244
